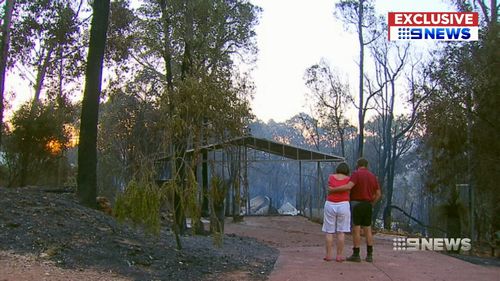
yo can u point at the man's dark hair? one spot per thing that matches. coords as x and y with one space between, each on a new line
362 162
342 168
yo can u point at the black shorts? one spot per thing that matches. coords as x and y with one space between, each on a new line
361 212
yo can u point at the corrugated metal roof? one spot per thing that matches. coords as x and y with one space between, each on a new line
273 147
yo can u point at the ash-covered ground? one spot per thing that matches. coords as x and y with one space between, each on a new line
55 227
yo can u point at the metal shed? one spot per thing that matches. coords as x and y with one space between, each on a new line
287 151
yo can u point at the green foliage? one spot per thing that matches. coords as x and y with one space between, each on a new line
183 87
454 213
187 195
212 30
142 199
462 119
119 40
46 34
140 203
123 151
37 141
199 102
180 200
190 200
360 17
218 192
170 191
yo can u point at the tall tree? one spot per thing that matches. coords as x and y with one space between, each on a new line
468 80
387 73
87 151
360 14
47 35
185 64
482 109
4 54
331 97
44 48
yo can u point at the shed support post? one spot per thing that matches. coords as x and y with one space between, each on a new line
320 197
301 206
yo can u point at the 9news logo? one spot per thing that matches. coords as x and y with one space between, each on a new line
437 26
431 244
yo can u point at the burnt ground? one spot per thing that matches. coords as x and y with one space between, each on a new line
55 228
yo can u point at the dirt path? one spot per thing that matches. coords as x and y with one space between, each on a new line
27 268
301 251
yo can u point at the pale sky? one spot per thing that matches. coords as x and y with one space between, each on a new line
295 34
292 36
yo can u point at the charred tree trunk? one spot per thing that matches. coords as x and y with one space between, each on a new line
235 182
4 53
204 185
42 71
167 52
188 38
389 188
180 216
175 146
361 112
87 150
342 142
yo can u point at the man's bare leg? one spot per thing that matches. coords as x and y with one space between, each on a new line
356 240
369 235
356 236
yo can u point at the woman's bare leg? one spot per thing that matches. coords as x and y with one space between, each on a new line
329 246
340 244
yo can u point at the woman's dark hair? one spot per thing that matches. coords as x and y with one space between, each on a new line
342 168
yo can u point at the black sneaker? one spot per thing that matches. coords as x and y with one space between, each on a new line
354 258
369 258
